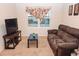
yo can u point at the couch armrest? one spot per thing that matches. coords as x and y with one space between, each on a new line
68 45
54 31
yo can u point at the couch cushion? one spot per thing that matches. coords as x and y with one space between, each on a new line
70 30
68 45
59 41
53 36
53 44
70 38
66 37
60 33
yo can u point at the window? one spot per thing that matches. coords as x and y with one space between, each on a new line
33 22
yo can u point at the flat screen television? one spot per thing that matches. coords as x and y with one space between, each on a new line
11 25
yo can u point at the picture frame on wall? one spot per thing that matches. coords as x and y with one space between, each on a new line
76 9
70 10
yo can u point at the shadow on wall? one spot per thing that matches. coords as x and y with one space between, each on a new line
2 29
2 32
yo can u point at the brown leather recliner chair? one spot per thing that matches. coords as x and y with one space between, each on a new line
64 40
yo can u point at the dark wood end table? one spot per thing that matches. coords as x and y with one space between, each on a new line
31 38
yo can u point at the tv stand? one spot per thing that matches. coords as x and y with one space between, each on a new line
12 40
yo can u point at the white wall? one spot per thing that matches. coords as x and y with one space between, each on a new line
72 21
55 19
6 11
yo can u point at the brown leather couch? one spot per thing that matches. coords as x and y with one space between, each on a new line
64 40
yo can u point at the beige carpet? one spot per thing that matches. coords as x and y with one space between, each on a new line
22 50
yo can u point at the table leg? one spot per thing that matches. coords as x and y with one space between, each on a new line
37 43
28 43
5 43
13 43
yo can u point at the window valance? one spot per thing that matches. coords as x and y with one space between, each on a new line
39 13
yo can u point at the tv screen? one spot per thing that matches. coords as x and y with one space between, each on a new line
11 22
11 25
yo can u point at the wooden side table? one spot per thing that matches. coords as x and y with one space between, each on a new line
32 39
12 39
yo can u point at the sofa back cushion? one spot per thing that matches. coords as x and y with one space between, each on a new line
53 36
70 30
66 37
60 33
